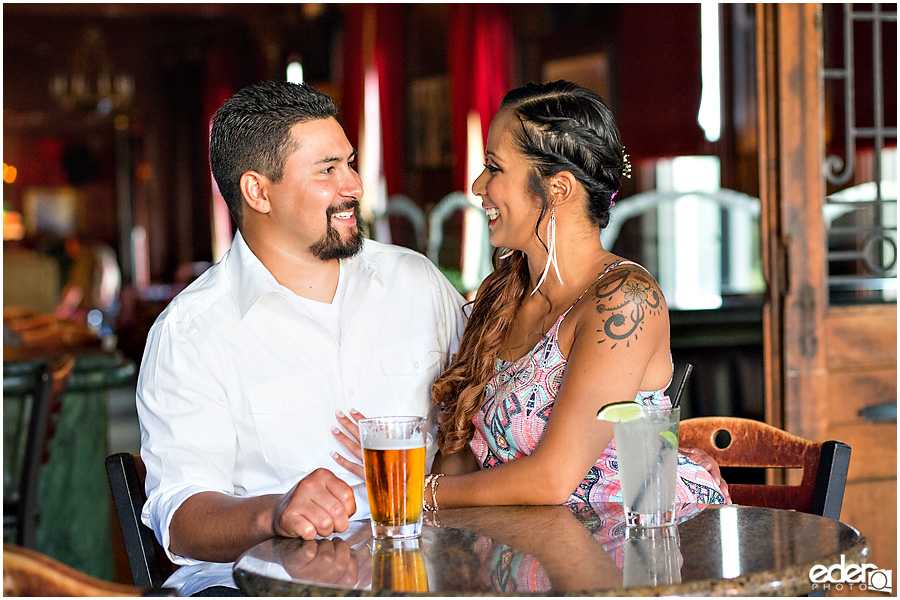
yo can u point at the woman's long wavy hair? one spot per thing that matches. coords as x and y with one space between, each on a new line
562 127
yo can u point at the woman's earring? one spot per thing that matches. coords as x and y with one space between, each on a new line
551 251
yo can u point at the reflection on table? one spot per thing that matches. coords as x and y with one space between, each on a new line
562 550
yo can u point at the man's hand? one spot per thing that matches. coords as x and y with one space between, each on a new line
706 461
330 561
320 504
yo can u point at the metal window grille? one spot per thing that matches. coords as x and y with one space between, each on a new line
861 207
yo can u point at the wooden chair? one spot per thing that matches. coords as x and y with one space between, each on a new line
148 561
735 442
27 572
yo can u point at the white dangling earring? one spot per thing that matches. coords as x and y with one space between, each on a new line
551 252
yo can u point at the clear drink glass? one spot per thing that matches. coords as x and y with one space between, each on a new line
652 556
647 450
398 565
394 458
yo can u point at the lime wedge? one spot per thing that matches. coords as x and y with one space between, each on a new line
670 437
617 412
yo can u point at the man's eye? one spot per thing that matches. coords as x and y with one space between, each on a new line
329 170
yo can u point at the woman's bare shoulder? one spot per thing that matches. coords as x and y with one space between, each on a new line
624 304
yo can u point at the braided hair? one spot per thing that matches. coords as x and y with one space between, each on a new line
560 127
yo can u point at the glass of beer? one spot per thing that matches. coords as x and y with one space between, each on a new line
394 457
398 566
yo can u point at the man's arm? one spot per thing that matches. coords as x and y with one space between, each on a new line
216 527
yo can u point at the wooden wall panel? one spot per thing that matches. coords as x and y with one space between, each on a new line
861 501
851 391
873 451
861 336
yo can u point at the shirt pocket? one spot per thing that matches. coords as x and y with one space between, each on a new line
290 424
410 368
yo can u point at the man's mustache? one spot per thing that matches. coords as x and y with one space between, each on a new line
349 205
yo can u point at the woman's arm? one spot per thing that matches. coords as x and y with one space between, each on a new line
617 339
554 536
462 462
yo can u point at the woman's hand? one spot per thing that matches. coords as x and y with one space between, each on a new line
350 442
706 461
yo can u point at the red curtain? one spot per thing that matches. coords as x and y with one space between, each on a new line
479 56
657 115
352 84
390 61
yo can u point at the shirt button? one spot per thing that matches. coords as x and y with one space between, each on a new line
289 404
416 364
351 393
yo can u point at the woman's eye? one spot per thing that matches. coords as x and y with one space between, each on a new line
491 168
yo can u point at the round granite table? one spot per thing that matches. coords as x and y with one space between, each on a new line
582 550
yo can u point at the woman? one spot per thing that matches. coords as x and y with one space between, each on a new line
562 326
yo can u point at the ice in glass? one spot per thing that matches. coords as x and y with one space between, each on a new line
647 450
652 556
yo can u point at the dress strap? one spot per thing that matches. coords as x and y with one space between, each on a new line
608 268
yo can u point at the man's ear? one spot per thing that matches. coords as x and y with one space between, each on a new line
253 189
563 187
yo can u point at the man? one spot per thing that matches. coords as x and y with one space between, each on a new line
245 370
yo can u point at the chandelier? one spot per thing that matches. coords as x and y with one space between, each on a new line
90 80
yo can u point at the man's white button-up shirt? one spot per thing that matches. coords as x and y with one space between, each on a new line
240 382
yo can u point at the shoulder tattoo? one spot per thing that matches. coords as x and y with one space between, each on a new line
624 297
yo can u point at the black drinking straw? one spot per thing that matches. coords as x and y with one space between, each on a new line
687 373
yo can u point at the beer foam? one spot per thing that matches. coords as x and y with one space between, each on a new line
378 443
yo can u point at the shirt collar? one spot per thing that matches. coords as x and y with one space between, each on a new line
251 280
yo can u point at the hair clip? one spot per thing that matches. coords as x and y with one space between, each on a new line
626 164
612 199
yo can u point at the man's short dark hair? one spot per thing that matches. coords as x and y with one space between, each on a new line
252 132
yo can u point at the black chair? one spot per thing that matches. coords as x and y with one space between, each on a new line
745 443
28 389
150 566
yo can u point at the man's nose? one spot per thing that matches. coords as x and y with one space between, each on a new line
353 185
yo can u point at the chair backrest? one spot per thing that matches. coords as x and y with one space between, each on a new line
148 562
30 390
749 443
27 572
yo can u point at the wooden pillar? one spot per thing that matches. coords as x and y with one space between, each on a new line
792 192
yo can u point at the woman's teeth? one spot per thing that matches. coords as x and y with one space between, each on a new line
492 213
343 215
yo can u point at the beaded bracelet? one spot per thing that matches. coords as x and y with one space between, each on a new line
425 505
431 480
